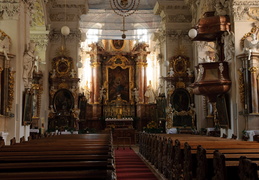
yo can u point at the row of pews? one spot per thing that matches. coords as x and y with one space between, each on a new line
185 156
75 156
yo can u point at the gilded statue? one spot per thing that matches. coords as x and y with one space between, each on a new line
118 103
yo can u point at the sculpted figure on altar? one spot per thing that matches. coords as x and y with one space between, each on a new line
150 95
251 44
102 95
5 43
136 95
118 103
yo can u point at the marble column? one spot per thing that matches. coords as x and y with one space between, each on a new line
96 85
141 79
254 95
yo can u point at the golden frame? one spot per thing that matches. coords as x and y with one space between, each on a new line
123 63
114 47
66 66
180 65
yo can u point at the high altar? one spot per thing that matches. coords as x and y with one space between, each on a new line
113 97
118 85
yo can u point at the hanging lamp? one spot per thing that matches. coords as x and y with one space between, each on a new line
124 8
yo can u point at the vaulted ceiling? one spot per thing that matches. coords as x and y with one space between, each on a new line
101 16
98 14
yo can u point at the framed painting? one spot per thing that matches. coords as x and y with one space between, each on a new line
118 79
222 108
118 44
63 100
27 107
180 100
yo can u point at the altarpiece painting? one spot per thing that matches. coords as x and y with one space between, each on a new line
119 83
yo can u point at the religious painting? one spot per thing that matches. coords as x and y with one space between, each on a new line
62 66
180 100
118 43
27 107
179 64
63 100
222 108
124 3
118 79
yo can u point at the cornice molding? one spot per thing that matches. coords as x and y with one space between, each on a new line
40 39
9 9
62 17
180 18
55 36
168 6
82 8
246 3
246 10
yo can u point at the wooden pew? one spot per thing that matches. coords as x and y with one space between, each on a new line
247 169
232 150
41 175
82 157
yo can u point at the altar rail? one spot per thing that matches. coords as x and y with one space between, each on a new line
182 156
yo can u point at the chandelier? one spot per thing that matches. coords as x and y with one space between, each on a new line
124 8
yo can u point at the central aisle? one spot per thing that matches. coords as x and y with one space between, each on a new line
129 166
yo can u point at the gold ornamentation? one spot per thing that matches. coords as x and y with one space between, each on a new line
253 69
38 89
241 87
118 60
63 66
63 86
10 90
3 35
180 85
180 65
95 64
142 64
62 51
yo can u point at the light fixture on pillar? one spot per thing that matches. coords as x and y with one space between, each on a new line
124 8
65 30
192 33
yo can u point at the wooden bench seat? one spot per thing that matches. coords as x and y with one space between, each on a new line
104 164
55 157
53 148
39 175
188 160
64 165
59 157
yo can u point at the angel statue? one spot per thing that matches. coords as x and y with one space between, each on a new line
251 44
